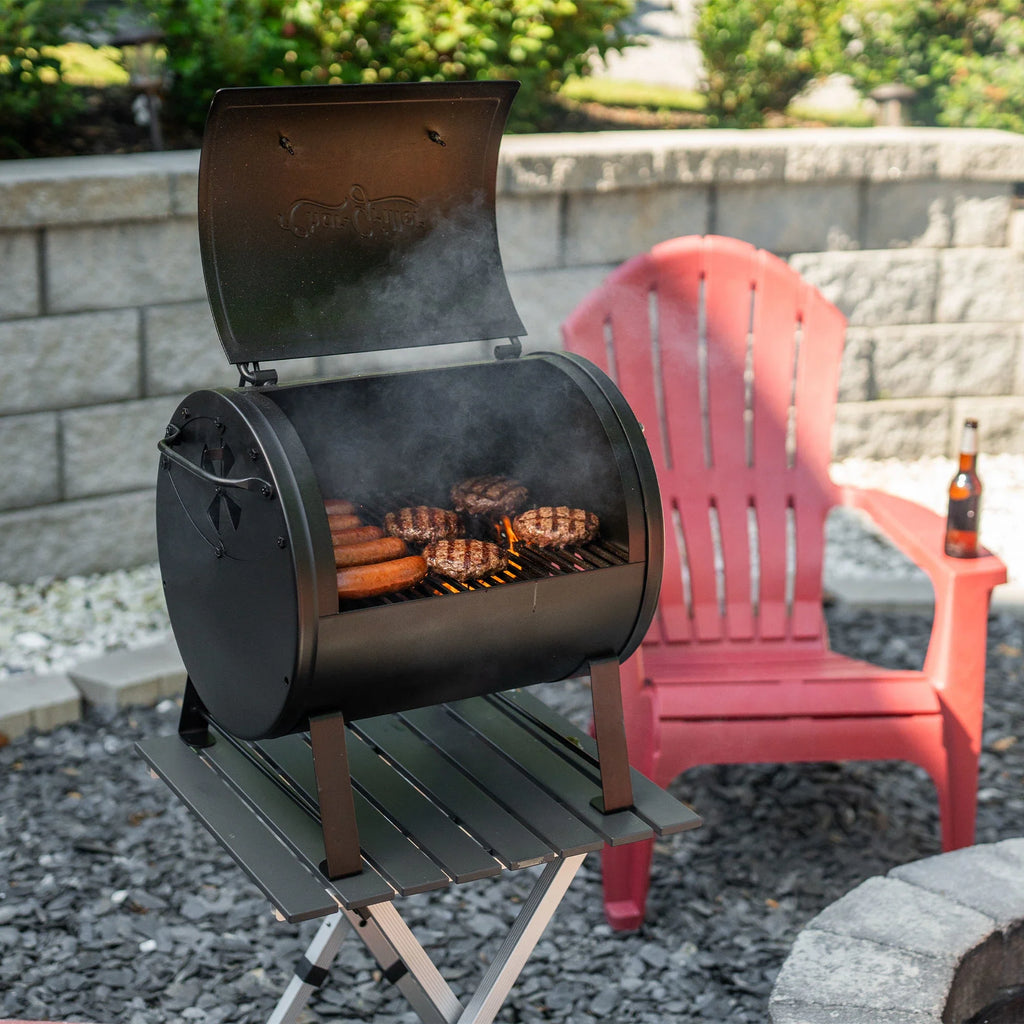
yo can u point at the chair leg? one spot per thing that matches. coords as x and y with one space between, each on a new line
958 798
626 877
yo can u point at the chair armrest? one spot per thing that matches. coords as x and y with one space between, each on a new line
963 586
918 533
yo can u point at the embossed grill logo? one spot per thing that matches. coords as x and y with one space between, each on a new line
357 213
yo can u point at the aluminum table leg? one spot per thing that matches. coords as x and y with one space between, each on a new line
406 964
529 925
311 971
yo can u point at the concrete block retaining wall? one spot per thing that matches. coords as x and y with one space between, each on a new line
917 234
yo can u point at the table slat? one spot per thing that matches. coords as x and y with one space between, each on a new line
302 830
404 865
664 813
461 798
505 781
552 772
289 886
428 826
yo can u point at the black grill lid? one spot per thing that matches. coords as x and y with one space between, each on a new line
350 218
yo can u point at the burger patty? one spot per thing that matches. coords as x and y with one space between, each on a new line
483 495
465 559
556 527
421 524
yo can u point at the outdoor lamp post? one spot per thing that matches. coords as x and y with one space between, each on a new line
143 58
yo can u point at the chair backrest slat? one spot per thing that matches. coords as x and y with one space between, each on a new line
731 362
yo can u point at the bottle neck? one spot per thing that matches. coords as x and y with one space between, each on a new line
969 446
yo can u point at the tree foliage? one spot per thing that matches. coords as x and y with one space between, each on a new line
216 43
34 98
760 54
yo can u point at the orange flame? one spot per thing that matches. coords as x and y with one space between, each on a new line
510 535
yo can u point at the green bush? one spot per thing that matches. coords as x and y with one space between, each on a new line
987 91
760 54
216 43
35 101
213 44
538 42
962 57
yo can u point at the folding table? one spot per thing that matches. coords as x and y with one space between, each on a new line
446 794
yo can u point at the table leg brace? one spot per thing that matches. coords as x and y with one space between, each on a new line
311 971
406 964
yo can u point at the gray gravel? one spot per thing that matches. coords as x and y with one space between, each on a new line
115 906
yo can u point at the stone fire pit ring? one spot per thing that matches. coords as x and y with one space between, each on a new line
934 941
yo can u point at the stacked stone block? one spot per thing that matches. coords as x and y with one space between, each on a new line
916 234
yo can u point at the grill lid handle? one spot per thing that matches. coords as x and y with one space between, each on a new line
248 483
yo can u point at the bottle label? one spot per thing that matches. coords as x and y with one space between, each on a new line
963 513
962 527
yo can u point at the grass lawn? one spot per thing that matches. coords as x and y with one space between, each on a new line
83 64
614 93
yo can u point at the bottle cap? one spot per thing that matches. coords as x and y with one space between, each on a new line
969 438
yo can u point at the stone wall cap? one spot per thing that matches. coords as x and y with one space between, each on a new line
598 161
113 165
76 190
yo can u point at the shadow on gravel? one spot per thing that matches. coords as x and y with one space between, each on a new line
116 907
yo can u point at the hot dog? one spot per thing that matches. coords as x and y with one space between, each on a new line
359 581
369 552
343 521
339 506
355 535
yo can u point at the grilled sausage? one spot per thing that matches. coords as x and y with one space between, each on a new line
359 581
342 521
339 506
356 535
368 552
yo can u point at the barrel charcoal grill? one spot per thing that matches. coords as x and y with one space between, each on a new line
347 220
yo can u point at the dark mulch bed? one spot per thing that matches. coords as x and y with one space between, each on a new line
115 906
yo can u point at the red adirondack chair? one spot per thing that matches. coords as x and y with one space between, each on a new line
731 361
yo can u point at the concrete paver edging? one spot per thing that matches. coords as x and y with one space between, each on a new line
932 941
142 675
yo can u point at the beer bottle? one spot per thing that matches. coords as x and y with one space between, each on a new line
964 514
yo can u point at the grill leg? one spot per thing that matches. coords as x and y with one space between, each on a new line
311 970
334 791
610 733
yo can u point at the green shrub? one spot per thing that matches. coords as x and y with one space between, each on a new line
35 101
213 44
216 43
538 42
760 54
962 57
987 91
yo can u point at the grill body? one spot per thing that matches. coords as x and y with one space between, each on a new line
347 220
249 573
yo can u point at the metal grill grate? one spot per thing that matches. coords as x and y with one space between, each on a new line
525 562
